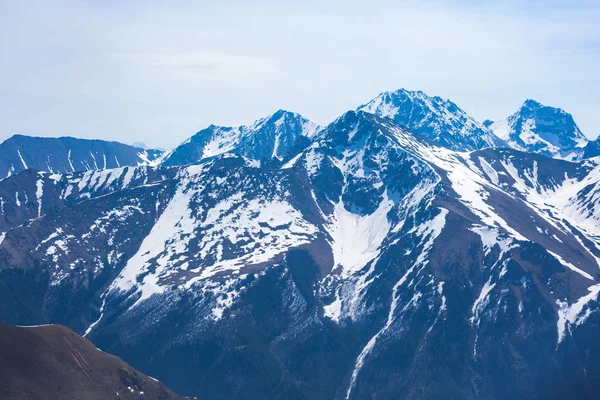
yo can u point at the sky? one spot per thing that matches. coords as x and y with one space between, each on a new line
159 71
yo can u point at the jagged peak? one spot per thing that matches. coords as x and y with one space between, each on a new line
352 118
530 103
277 117
533 106
416 98
266 137
542 129
356 125
400 93
414 95
257 124
433 117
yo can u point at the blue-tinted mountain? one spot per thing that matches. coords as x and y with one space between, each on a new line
270 138
372 264
437 119
592 149
540 129
67 154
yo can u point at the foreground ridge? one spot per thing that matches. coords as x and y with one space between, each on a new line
52 362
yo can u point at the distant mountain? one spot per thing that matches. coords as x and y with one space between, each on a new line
592 149
270 138
53 363
437 119
540 129
67 154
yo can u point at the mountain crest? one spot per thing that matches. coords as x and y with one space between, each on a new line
69 154
537 128
531 104
437 119
271 137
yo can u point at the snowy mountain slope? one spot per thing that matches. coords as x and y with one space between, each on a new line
34 194
540 129
391 205
482 199
565 193
80 228
438 120
373 263
232 231
268 138
67 154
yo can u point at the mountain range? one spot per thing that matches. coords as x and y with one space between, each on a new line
404 250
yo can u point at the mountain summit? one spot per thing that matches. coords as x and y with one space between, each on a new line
437 119
266 139
536 128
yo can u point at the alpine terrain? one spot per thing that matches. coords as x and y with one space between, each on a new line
541 129
405 250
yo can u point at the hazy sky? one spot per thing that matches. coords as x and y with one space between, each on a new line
158 71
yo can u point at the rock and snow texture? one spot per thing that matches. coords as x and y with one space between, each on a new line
540 129
433 117
67 154
362 260
230 231
270 138
356 239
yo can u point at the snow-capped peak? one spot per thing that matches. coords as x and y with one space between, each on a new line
537 128
433 117
270 137
282 117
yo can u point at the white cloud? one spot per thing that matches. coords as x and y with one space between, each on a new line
160 72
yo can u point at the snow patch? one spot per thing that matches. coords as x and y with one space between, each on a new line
430 231
576 313
39 192
22 161
356 239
